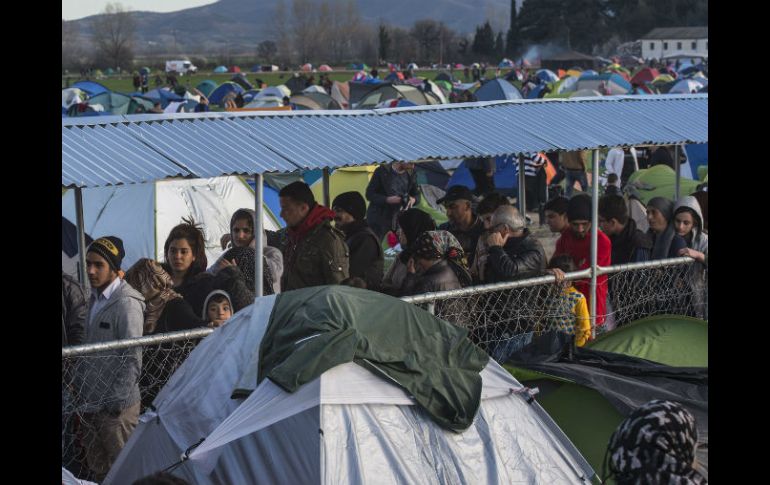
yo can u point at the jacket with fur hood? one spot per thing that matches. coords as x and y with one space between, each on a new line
109 380
698 272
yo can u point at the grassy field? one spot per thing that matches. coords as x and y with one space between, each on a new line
123 84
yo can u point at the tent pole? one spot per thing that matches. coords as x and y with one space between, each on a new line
522 192
81 238
594 236
259 232
678 175
327 199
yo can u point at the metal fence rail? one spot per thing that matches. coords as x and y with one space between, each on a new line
499 318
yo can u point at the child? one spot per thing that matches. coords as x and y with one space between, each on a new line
613 185
568 312
217 308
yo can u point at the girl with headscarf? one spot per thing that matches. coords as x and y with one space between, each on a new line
666 243
441 260
688 223
655 444
166 310
411 223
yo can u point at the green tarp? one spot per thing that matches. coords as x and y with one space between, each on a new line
663 178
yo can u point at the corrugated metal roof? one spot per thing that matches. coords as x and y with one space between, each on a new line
135 149
677 33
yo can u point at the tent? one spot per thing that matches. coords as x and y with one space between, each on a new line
612 82
206 87
256 68
325 68
220 69
358 67
348 425
91 88
585 93
446 86
143 214
646 75
296 84
588 73
589 396
115 103
70 96
497 89
394 91
162 95
341 93
685 86
306 67
394 76
547 76
264 102
565 85
661 177
314 89
506 178
413 66
697 156
69 247
314 100
218 95
506 63
240 79
430 87
235 69
272 91
445 76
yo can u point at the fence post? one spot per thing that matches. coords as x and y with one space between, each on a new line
432 308
677 170
80 220
522 192
327 198
594 236
258 235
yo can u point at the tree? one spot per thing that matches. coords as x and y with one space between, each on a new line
266 50
512 40
499 45
427 33
384 42
484 42
113 33
281 33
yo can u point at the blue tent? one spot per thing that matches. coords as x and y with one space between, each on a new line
506 181
535 92
256 68
588 73
163 95
248 96
547 76
497 89
90 87
220 69
697 155
223 90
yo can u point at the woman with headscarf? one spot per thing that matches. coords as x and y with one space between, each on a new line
442 265
666 243
411 223
655 444
688 222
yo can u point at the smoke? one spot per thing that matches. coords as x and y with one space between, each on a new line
538 51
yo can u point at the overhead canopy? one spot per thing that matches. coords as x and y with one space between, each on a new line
120 150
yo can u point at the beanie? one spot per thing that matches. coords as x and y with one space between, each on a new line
111 249
352 203
579 208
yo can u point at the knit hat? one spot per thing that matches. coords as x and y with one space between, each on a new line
579 208
352 203
664 206
111 249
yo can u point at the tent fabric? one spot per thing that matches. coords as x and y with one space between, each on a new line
220 69
613 82
115 103
296 84
686 86
547 76
697 156
646 75
144 214
163 95
427 356
240 79
71 96
663 178
92 88
314 89
510 441
218 95
325 68
497 89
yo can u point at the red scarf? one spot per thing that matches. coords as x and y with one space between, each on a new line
316 216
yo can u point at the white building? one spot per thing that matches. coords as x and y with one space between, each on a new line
676 42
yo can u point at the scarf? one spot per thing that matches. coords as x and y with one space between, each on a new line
155 284
317 215
413 222
434 245
662 242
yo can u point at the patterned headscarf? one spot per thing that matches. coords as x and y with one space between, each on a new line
434 245
244 257
655 444
155 284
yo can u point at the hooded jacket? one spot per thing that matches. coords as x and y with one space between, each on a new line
366 255
631 245
108 380
698 272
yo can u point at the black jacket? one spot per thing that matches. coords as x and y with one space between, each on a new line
178 315
384 183
467 239
74 311
631 245
367 258
520 258
439 277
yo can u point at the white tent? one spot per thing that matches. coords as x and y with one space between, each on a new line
347 426
314 89
142 215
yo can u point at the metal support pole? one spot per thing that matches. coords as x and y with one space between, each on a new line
432 308
258 235
522 192
677 169
81 238
327 199
594 236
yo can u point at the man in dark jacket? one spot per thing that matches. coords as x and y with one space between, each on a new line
514 253
366 254
74 310
315 253
463 223
629 244
392 189
483 173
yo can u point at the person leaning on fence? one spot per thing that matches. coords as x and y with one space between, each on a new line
411 223
629 244
656 443
666 243
689 225
393 188
576 242
441 260
463 223
108 392
556 214
316 253
514 254
485 209
366 255
568 312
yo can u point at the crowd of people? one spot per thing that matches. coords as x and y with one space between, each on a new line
485 240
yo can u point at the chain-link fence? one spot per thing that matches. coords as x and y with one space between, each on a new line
500 318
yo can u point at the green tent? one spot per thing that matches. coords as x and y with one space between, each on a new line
584 414
115 103
663 178
138 102
207 87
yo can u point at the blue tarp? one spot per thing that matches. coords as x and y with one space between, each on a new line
271 200
588 73
506 181
547 76
163 95
697 155
219 93
497 89
535 92
92 88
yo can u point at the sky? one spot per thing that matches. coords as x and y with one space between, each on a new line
76 9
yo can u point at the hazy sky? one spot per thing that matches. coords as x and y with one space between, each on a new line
75 9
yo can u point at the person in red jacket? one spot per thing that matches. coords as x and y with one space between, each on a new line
576 242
